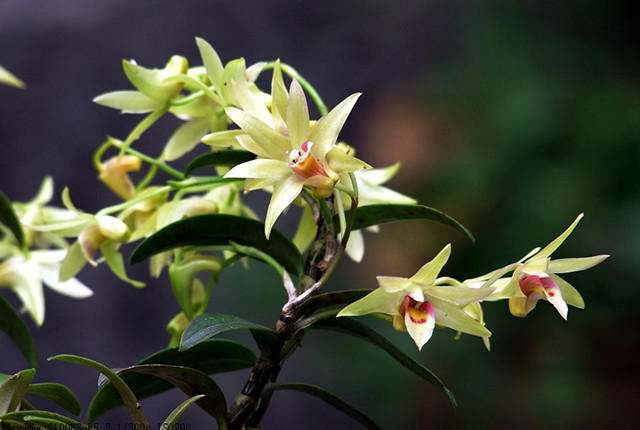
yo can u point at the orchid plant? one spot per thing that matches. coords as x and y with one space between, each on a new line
196 224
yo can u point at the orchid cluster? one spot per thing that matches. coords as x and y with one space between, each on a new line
196 224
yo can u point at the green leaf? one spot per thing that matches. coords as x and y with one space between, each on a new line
9 218
219 229
16 329
174 416
210 357
12 390
129 399
48 420
370 215
329 398
222 157
207 325
59 394
359 330
192 382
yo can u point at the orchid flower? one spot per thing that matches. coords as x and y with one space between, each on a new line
299 158
94 232
418 303
25 274
535 277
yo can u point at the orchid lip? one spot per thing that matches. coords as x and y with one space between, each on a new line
303 163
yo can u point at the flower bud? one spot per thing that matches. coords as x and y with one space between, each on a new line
114 174
182 273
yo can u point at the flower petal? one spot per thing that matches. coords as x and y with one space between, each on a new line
222 138
260 168
429 272
23 277
380 175
570 295
185 138
554 296
421 331
341 162
283 194
71 288
127 101
297 115
507 289
376 301
325 132
251 103
566 265
279 96
211 62
458 295
73 262
355 246
551 247
450 315
272 142
392 284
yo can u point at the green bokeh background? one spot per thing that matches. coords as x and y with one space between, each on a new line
513 117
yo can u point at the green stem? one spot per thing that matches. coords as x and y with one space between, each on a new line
196 83
187 99
124 205
147 178
153 161
142 126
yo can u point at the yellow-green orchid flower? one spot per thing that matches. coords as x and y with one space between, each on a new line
535 277
26 274
418 303
299 158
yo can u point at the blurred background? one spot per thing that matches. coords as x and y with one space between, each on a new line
513 117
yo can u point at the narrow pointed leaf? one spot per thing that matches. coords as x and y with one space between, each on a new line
129 399
48 420
59 394
208 325
354 328
192 382
370 215
12 324
9 218
328 397
209 357
175 415
222 158
216 230
12 390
